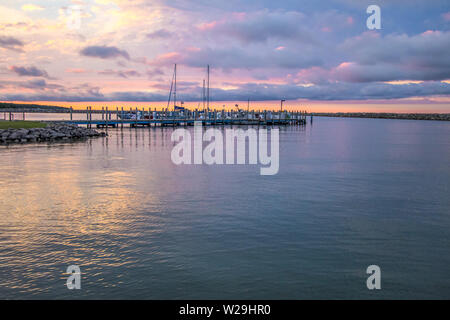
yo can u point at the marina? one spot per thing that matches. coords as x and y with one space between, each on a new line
173 115
146 117
210 159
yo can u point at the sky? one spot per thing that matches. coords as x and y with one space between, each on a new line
319 54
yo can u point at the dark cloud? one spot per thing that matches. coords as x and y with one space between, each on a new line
226 58
388 72
31 71
427 49
370 57
256 92
45 91
104 52
159 34
335 91
235 57
87 91
182 86
11 43
326 92
120 73
155 72
262 26
35 84
137 96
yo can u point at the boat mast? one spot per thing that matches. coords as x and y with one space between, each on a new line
170 92
207 92
203 95
175 88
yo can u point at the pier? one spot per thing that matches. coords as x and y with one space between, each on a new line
187 117
134 118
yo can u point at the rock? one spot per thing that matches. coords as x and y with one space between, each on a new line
54 131
13 136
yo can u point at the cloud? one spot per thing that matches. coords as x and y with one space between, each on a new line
235 57
165 59
28 71
11 43
76 70
52 92
256 48
155 72
256 92
34 84
120 73
425 50
104 52
354 72
159 34
370 57
136 96
261 26
31 7
331 92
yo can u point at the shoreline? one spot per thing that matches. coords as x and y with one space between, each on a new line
34 108
367 115
397 116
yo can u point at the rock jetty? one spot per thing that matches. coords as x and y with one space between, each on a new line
53 132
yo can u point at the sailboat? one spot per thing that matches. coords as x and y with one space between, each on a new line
173 89
173 92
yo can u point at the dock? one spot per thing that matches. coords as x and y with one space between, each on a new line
135 118
166 118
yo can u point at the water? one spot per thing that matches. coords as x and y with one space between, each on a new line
350 193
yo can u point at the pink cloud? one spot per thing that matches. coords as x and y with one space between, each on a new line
166 59
446 16
76 70
239 15
372 34
430 32
350 20
313 74
345 65
169 55
193 49
207 26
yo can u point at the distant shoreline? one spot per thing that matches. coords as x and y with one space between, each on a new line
400 116
19 107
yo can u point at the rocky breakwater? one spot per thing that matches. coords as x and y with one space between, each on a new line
403 116
53 132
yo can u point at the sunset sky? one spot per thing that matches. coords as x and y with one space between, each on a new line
315 53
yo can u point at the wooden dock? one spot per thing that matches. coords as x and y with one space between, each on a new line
166 118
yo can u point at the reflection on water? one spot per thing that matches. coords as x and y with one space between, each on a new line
350 193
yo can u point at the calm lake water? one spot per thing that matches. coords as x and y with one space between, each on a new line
349 193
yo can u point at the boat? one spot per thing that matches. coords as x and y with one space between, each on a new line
131 115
